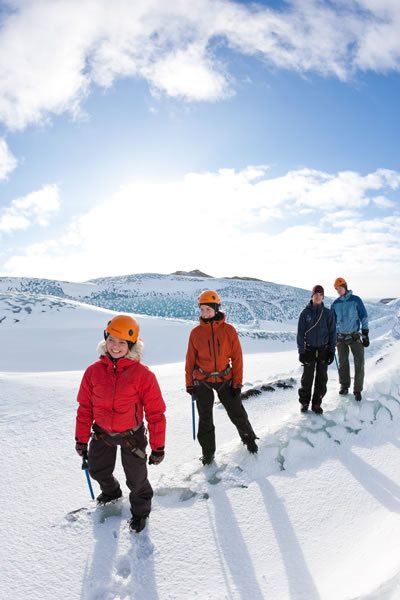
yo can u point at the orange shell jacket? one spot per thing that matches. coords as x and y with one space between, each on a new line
212 347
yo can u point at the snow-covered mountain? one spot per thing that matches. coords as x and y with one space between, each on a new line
173 296
248 302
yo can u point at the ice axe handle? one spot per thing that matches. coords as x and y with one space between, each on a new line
85 467
193 416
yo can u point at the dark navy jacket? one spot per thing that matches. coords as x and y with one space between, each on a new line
323 334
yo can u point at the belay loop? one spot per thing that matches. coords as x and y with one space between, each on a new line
215 373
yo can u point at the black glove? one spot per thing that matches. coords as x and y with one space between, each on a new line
190 390
302 358
331 357
236 391
81 449
156 456
365 338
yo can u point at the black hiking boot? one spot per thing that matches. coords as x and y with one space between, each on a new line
317 410
304 408
207 458
104 499
251 446
343 391
137 524
357 396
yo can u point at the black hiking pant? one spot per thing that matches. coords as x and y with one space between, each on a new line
102 458
204 393
316 364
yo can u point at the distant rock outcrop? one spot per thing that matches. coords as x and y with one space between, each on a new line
198 273
194 273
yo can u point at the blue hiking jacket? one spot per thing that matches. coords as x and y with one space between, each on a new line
351 315
323 334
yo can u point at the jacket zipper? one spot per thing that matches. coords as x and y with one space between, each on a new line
114 390
213 344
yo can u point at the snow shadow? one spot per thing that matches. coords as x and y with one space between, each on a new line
98 578
232 550
136 568
300 581
386 491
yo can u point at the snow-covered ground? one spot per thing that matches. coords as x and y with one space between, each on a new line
314 516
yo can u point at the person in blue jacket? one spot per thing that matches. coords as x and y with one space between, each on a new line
351 316
316 341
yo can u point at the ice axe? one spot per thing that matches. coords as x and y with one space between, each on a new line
193 417
85 467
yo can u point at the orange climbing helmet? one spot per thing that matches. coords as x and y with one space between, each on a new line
123 327
209 297
340 282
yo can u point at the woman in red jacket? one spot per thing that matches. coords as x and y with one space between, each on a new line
214 361
115 393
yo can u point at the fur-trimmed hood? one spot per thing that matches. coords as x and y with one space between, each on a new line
135 353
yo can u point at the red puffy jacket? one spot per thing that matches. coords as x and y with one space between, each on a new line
115 396
213 346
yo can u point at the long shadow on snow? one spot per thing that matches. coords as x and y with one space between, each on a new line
231 548
130 575
301 583
386 491
98 577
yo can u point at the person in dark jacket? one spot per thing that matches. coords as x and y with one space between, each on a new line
214 361
351 316
116 393
316 340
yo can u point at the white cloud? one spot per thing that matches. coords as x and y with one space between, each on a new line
34 208
8 162
383 202
71 46
188 73
231 223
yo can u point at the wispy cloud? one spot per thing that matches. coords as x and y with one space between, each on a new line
233 223
34 208
180 48
8 162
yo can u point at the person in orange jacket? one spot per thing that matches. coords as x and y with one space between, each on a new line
115 393
214 361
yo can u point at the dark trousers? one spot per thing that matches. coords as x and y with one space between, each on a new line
236 412
357 350
102 457
316 365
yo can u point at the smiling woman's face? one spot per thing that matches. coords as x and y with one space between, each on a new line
115 347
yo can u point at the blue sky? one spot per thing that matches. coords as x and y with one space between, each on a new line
256 139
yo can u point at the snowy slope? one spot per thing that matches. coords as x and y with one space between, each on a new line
31 324
255 304
154 294
314 516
